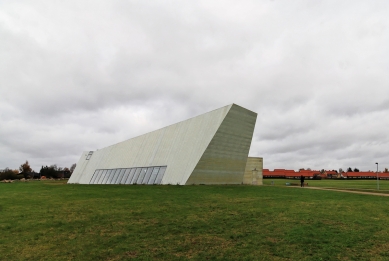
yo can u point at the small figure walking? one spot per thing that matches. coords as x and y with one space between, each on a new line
302 180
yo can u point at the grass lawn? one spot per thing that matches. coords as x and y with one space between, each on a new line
51 220
354 184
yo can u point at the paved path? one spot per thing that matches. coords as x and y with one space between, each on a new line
349 191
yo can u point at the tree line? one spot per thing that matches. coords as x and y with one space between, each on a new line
25 171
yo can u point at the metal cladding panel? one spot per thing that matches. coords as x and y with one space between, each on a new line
224 160
79 170
253 173
178 146
85 168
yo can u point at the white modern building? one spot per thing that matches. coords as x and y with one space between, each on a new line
211 148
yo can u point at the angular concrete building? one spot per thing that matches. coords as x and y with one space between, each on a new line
211 148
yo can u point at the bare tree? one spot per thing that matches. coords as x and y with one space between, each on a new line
25 168
72 167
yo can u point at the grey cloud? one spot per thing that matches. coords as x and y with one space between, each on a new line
76 76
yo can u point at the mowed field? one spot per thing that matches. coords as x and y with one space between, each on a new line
350 184
51 220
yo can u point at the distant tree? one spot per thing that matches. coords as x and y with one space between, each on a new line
322 171
72 167
8 174
49 172
25 169
66 169
349 169
340 170
356 170
308 168
386 170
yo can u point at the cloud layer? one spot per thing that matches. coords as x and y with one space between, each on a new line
80 76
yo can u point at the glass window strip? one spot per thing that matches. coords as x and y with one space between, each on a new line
147 176
99 173
110 176
117 176
113 176
136 176
160 175
120 176
130 176
106 177
126 176
94 176
101 177
142 175
153 176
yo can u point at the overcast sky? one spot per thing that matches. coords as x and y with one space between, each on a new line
82 75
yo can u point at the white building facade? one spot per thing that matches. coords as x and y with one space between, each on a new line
211 148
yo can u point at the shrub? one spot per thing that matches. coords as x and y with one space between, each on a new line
8 174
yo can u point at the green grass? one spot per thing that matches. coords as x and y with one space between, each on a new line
353 184
54 221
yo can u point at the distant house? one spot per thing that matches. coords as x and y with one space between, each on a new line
289 174
31 175
331 174
277 173
364 175
63 174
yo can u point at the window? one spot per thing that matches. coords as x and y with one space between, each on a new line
106 177
130 176
89 155
161 172
136 176
102 175
95 176
144 175
153 175
147 176
114 175
120 176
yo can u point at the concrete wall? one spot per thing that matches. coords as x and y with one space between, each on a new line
253 172
214 146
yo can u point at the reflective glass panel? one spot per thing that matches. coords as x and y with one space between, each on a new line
109 176
114 176
136 176
147 177
94 176
125 176
142 174
130 176
102 175
153 175
98 176
106 177
120 176
161 172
